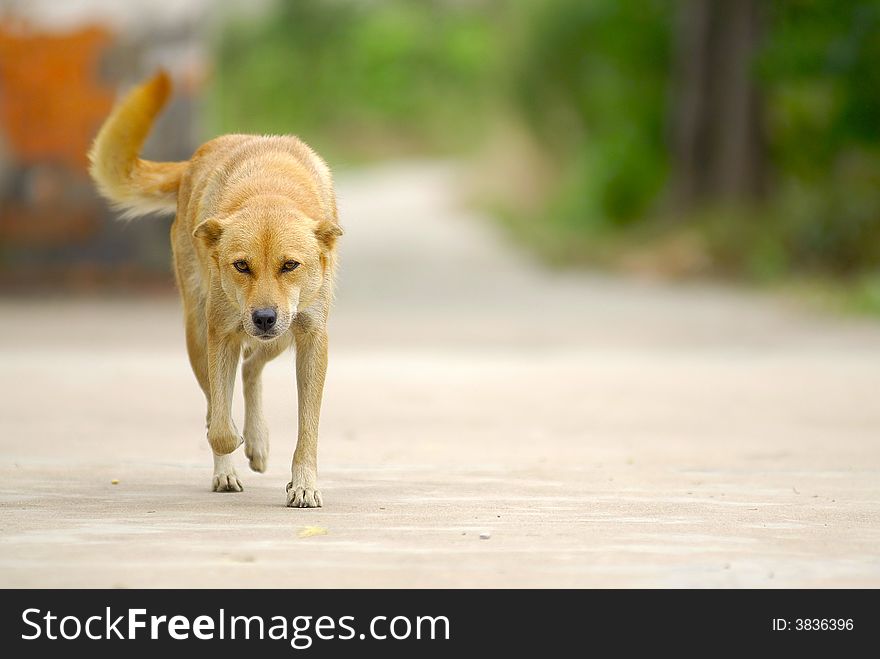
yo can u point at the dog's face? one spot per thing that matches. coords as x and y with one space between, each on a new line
272 260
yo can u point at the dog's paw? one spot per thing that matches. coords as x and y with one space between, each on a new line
256 448
257 457
303 497
226 481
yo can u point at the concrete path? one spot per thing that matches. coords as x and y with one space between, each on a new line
602 432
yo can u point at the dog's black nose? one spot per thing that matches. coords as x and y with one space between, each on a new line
264 319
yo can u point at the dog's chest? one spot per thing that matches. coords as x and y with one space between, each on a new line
250 344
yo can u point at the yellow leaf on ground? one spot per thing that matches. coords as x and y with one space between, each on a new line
309 531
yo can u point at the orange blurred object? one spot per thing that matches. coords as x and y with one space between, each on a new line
51 100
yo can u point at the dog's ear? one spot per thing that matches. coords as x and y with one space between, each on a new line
327 233
208 231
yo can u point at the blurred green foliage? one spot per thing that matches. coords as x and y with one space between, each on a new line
358 79
820 69
592 83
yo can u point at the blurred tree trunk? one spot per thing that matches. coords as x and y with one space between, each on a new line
718 143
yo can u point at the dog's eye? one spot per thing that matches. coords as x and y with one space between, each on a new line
289 266
241 266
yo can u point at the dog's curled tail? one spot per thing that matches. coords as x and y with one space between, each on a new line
130 183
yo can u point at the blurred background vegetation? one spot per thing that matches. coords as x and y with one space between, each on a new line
737 139
721 138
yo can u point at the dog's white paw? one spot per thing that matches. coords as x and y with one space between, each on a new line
227 482
225 478
303 497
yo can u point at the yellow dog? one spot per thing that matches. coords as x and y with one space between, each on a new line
254 243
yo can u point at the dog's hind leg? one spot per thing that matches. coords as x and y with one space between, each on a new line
256 432
197 350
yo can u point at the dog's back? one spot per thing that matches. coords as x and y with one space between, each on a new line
139 187
230 169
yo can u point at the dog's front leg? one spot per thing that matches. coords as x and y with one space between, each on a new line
311 367
223 354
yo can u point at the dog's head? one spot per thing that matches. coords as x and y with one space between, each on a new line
272 261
